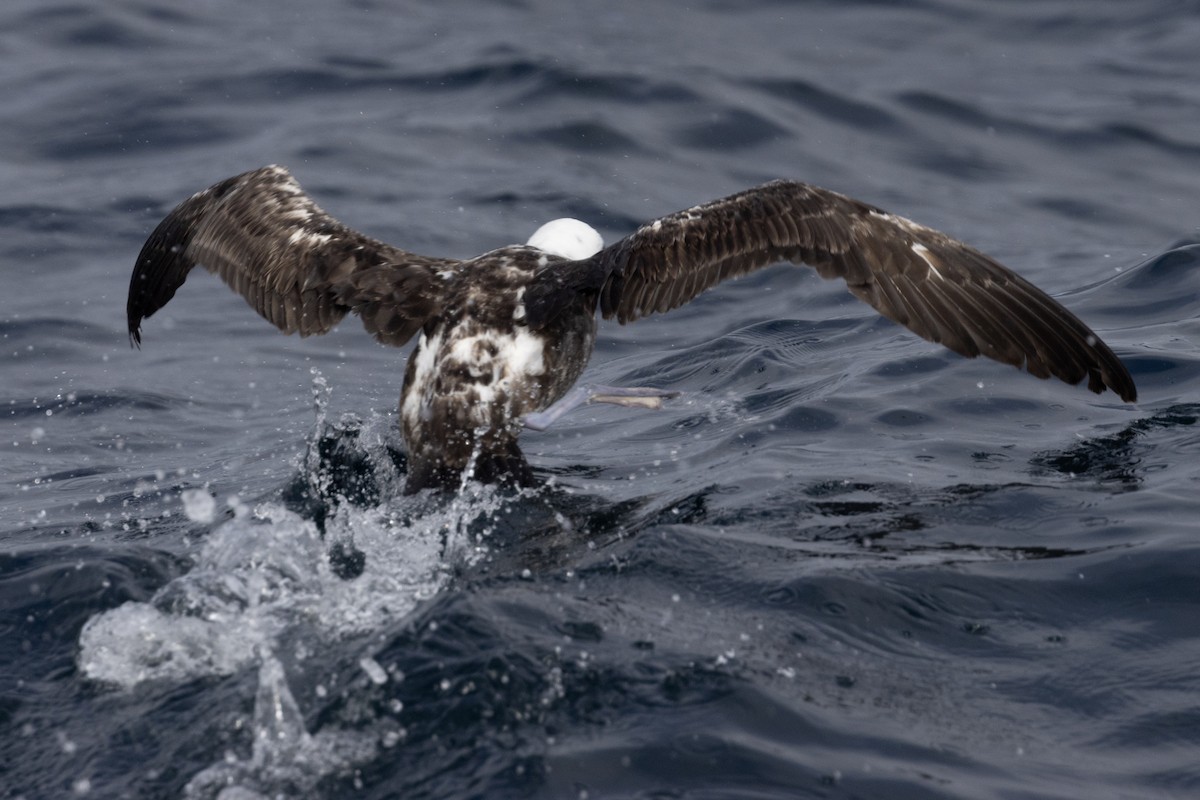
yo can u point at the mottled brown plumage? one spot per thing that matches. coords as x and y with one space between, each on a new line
296 266
507 333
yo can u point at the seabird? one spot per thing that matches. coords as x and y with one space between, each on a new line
503 337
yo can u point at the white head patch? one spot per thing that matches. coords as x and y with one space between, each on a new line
568 238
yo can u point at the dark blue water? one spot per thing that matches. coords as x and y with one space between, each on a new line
843 564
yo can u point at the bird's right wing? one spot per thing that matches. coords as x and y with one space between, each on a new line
296 266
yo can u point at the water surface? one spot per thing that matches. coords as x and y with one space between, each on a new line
843 564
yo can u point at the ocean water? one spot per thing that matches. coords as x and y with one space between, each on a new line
843 564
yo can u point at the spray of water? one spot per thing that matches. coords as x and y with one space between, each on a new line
267 574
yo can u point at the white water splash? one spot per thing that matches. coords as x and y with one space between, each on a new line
262 574
375 672
199 505
285 759
267 573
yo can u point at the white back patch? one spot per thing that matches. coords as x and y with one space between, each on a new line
566 237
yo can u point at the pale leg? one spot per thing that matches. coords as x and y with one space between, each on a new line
636 397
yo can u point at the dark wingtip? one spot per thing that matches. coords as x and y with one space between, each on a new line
1126 390
1112 374
135 305
1122 389
163 263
